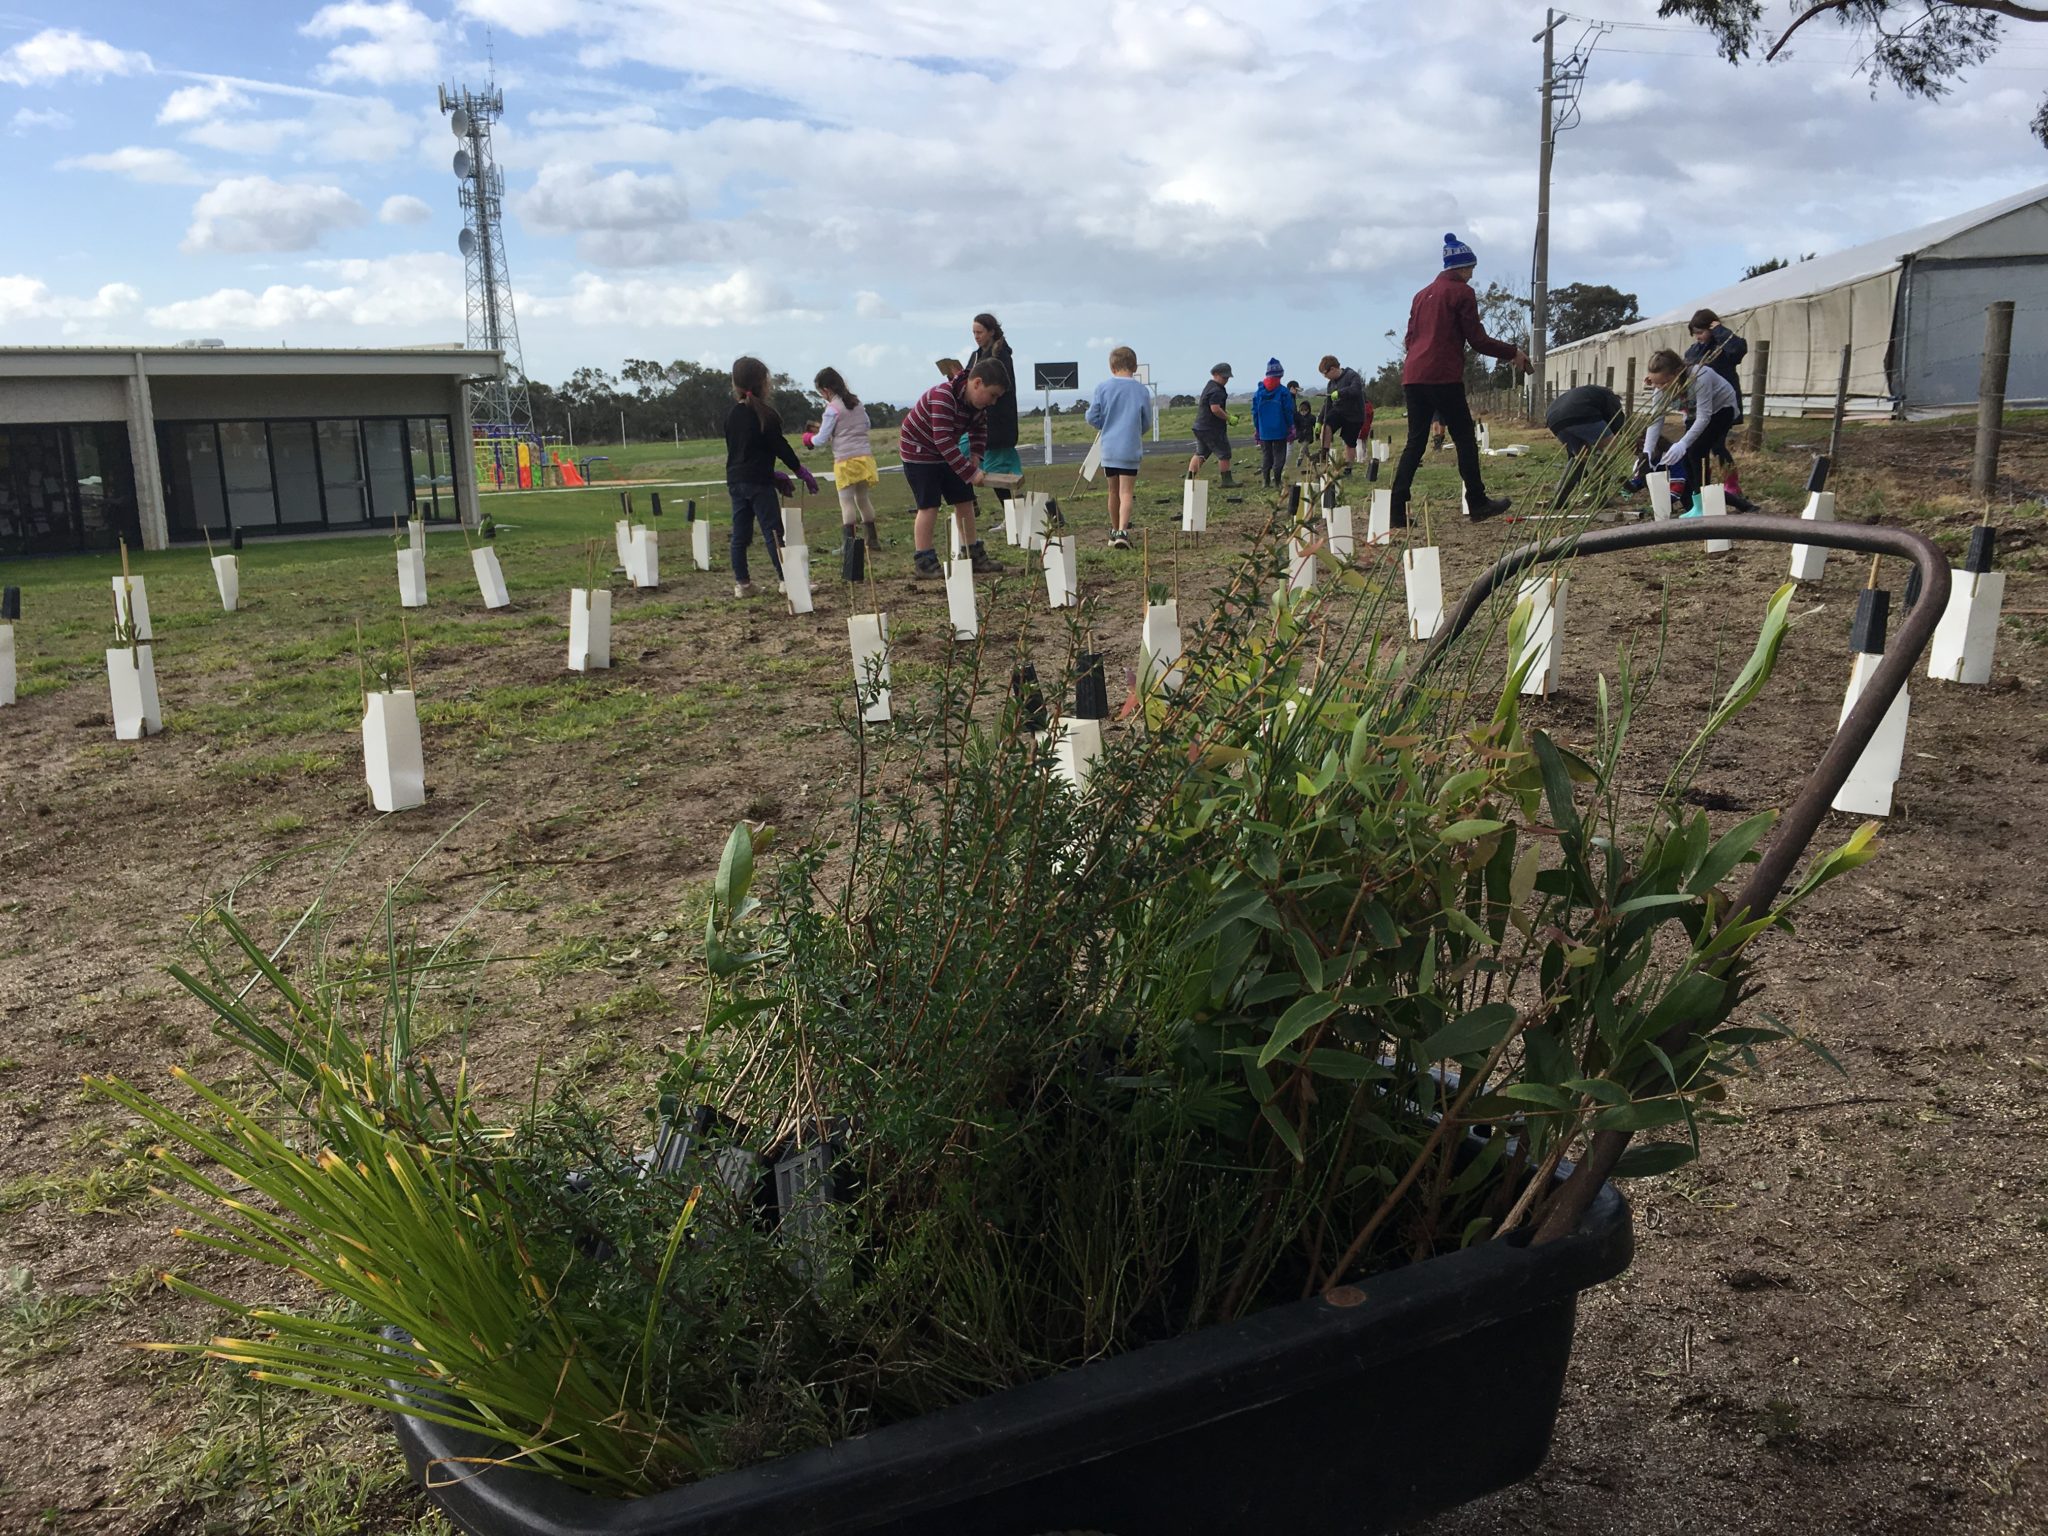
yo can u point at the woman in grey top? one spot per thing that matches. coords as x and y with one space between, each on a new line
1711 403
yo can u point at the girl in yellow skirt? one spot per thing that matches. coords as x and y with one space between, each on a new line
844 429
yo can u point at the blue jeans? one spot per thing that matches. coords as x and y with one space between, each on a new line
753 504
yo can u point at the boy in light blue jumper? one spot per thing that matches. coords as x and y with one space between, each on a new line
1122 412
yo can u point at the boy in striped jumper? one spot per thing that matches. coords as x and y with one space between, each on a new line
940 474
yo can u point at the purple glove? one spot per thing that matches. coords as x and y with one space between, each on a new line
782 483
810 481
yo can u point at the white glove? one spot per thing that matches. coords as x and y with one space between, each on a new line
1672 459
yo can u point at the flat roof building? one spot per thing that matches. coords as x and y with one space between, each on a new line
154 444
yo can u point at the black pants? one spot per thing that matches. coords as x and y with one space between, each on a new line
1444 403
1711 443
1273 461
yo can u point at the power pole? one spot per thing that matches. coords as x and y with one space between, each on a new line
1539 286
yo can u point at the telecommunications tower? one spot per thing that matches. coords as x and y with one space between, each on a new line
498 407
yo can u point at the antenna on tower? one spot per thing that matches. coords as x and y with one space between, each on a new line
498 407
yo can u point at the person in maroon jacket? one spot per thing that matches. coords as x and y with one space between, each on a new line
1443 319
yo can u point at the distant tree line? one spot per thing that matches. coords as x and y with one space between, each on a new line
663 400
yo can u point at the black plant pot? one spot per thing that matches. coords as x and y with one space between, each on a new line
1433 1386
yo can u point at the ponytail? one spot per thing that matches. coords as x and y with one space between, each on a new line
750 383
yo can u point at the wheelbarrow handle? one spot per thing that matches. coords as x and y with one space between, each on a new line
1803 816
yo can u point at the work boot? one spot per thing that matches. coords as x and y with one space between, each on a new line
874 537
978 558
925 564
1492 508
1226 482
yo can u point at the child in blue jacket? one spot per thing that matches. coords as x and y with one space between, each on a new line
1122 412
1273 422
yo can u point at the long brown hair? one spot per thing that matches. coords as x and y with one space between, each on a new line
750 383
828 379
992 325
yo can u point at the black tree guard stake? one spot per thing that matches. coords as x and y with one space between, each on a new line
654 503
1028 698
1802 818
10 605
1091 687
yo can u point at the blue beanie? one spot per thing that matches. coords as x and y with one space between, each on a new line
1457 253
1273 368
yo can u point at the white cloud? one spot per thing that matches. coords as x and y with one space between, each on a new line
254 213
568 199
869 353
26 299
404 208
56 54
400 43
196 103
523 18
420 292
869 305
258 137
137 162
745 298
26 119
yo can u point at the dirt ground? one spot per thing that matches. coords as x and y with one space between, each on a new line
1834 1322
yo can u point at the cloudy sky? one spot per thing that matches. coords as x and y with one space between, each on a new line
849 183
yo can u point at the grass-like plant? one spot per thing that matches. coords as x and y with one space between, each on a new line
1330 969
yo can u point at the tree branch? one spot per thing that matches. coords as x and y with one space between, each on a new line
2008 8
1801 20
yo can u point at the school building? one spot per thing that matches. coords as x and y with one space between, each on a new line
156 444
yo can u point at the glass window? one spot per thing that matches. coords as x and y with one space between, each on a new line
341 471
384 457
105 476
245 463
189 455
296 472
35 499
444 467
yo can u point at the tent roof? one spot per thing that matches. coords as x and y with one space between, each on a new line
1804 278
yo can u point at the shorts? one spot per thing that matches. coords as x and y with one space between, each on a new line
1001 461
1211 445
935 486
858 470
1115 473
1348 430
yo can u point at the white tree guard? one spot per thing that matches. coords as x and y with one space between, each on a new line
122 586
1422 574
796 577
622 542
1302 550
1967 636
392 760
1194 506
1011 507
960 599
793 524
700 543
869 635
956 545
643 560
131 686
1159 648
416 534
7 677
1379 520
1714 503
1543 642
1810 561
227 576
490 576
1868 791
1382 449
1659 483
1031 520
590 629
1337 524
1080 745
412 578
1092 464
1485 439
1063 571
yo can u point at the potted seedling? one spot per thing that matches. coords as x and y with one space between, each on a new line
1069 1162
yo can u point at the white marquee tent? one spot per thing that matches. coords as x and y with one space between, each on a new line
1910 308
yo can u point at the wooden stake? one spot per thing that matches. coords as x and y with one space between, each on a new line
405 639
362 677
1872 583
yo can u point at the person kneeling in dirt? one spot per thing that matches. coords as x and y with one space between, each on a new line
1710 414
1582 419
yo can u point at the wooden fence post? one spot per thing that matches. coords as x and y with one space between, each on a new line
1991 396
1758 393
1841 404
1630 401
